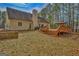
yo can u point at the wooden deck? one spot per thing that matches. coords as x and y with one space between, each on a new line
62 28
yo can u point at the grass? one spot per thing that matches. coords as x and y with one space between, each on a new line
38 44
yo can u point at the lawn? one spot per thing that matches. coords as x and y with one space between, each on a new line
38 44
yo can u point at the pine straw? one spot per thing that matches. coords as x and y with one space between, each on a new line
37 43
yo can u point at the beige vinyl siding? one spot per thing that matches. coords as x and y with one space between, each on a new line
13 25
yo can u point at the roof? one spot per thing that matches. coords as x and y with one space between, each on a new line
41 19
20 15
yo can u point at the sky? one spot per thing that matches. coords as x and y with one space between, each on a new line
28 7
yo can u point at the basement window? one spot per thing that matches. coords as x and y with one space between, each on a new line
19 23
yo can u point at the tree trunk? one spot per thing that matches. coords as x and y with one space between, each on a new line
72 17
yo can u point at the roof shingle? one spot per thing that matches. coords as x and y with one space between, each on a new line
18 15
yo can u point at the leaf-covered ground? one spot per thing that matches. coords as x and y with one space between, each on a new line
36 43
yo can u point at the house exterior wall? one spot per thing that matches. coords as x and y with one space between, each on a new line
26 25
7 22
12 24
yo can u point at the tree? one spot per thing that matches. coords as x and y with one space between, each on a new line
68 12
56 9
4 18
72 16
77 17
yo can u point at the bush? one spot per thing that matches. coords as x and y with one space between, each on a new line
54 26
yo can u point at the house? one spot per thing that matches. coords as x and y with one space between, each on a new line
19 20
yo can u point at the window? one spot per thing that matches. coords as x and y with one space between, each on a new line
19 23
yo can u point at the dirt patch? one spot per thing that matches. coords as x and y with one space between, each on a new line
8 34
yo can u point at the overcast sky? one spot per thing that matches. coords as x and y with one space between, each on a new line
28 7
